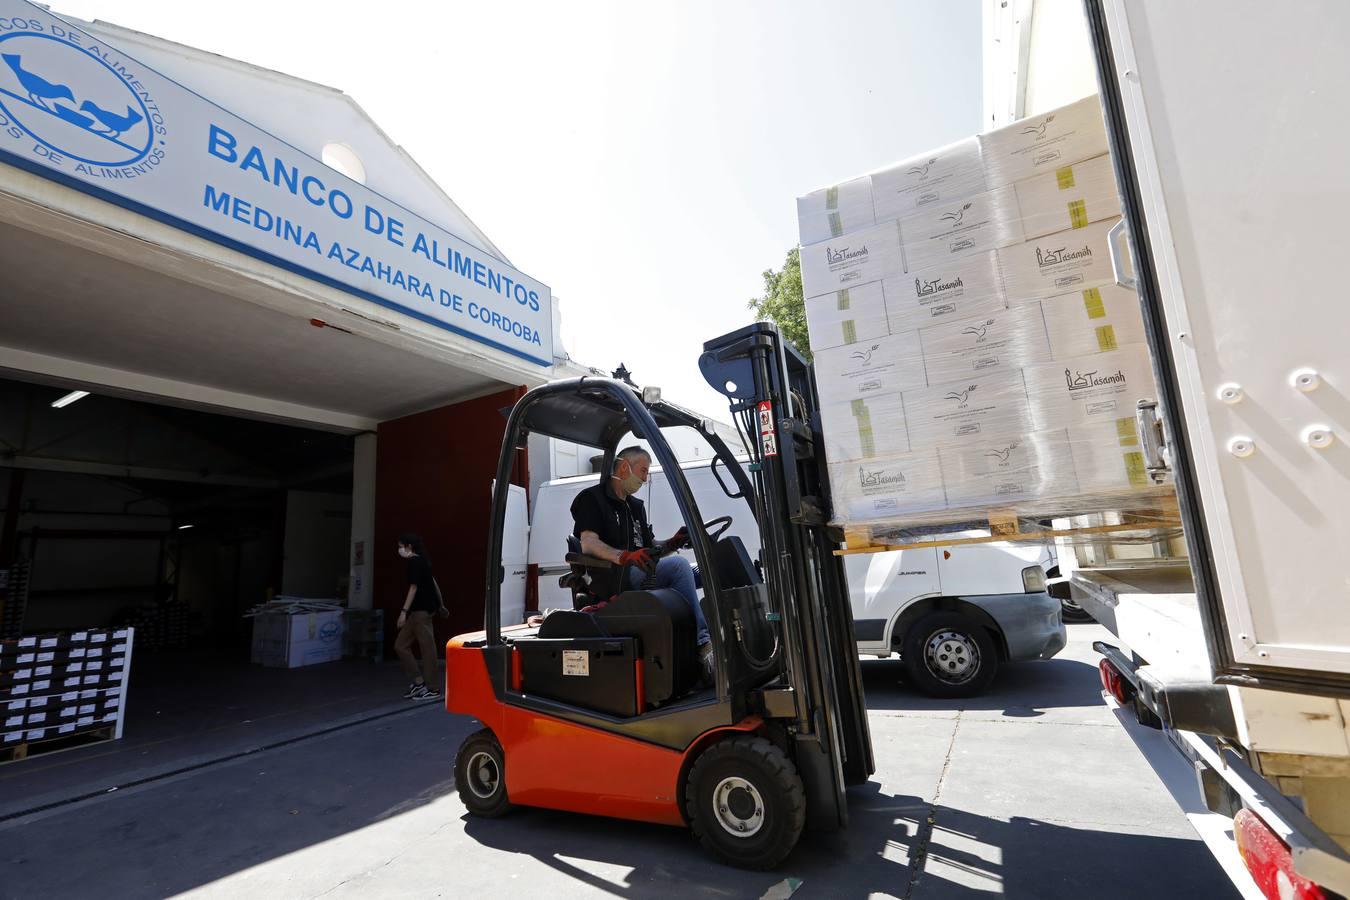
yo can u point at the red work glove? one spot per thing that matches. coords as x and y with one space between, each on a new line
640 557
678 539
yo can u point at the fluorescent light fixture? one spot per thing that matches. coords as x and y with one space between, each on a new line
69 399
184 527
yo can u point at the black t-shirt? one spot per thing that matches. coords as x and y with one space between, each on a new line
622 524
419 573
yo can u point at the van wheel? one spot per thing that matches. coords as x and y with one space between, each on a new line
745 802
949 654
480 775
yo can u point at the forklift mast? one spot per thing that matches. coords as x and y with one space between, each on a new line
772 392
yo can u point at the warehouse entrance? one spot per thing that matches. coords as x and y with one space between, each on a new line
175 521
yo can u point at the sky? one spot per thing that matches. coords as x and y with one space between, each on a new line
641 159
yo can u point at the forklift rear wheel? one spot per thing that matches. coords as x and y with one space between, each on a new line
745 802
949 654
480 775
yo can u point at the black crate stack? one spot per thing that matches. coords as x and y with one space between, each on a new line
59 686
14 599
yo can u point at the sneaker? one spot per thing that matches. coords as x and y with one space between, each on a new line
428 693
415 691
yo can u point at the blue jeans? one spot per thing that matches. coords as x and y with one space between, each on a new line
674 572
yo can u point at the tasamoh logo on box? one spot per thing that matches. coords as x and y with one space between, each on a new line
937 286
1079 381
844 254
1047 258
876 479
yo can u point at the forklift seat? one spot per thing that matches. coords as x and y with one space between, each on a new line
590 579
658 622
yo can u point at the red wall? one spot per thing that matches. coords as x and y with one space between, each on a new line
433 476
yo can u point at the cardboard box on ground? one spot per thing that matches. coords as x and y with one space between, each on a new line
286 641
972 350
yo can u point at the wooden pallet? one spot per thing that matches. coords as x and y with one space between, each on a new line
73 741
1006 527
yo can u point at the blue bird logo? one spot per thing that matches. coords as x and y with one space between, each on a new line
111 124
40 90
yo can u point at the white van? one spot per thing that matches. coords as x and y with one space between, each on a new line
952 613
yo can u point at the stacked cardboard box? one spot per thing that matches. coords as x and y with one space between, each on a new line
288 640
973 352
58 685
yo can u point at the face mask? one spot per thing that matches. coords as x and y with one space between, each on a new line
631 483
404 552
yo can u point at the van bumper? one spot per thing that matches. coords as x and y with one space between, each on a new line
1031 623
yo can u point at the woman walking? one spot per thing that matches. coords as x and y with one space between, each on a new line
414 620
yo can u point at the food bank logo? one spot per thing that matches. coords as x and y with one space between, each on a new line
922 171
865 356
1079 381
844 254
961 397
978 331
1038 130
1002 454
83 104
956 217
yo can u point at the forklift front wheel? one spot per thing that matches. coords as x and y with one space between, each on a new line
746 802
480 775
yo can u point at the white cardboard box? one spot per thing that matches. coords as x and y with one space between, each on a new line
940 176
865 428
945 231
1107 457
1028 147
1086 390
290 641
834 211
881 489
979 346
852 260
970 411
847 316
1057 263
1069 197
957 290
1015 470
882 366
1096 320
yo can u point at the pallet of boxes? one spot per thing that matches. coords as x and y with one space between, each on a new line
59 691
976 362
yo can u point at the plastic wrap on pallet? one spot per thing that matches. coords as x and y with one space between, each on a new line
836 210
1001 381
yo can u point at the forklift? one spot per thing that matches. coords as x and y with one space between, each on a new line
601 709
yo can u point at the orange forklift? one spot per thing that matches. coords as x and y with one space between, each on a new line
601 709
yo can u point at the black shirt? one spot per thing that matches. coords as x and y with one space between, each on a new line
622 524
427 599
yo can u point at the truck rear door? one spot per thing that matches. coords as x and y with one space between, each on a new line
1229 134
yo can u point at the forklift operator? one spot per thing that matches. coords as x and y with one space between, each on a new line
611 524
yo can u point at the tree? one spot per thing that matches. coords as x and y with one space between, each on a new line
782 302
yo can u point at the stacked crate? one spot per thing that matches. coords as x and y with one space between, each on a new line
974 355
56 686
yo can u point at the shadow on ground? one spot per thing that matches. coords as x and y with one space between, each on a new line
964 854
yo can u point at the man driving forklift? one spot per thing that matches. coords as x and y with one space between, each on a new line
611 523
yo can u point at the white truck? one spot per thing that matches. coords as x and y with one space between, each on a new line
953 614
1232 672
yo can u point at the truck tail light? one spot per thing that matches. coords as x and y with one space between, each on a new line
1114 683
1268 860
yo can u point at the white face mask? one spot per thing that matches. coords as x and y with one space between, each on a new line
404 552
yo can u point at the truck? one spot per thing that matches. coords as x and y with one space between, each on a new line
987 603
1230 666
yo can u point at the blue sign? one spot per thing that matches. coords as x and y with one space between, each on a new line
78 111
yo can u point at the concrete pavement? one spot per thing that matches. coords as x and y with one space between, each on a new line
1032 791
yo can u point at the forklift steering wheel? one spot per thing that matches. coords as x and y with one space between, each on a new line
716 528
